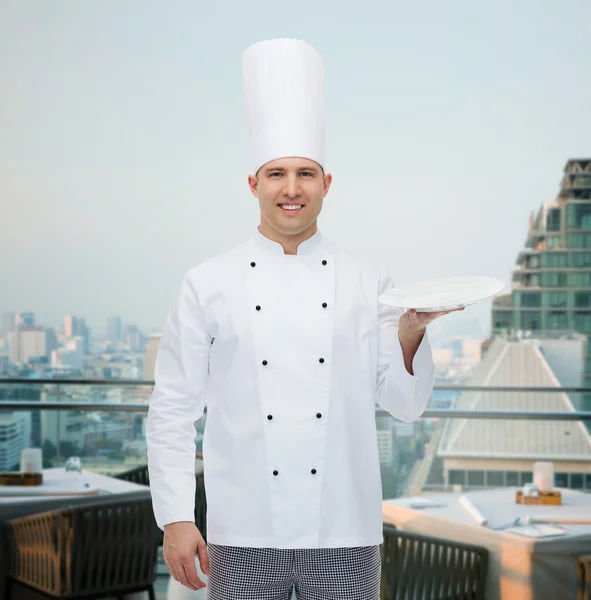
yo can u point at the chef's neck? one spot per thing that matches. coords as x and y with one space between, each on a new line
289 242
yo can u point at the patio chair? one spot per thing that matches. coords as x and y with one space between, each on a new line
584 577
104 548
428 568
136 475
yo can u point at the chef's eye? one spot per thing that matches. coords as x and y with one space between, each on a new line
276 173
308 173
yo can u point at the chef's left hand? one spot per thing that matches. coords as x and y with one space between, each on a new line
413 321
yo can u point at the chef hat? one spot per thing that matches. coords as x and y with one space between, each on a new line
284 96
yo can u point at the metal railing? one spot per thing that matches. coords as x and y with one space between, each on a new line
441 413
429 412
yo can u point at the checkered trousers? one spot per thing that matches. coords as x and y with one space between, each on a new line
271 573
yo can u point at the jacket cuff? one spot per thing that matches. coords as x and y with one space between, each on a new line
423 367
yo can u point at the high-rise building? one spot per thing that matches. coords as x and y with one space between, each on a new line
134 338
150 356
551 289
26 342
51 340
15 431
76 326
115 329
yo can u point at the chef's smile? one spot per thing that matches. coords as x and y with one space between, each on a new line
291 208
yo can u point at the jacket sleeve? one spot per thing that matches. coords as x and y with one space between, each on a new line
403 395
181 375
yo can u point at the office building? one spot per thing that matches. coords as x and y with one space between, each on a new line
551 289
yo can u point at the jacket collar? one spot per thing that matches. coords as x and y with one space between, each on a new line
306 247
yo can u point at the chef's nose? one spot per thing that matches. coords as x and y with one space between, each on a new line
292 187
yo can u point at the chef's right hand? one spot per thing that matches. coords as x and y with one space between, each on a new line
182 540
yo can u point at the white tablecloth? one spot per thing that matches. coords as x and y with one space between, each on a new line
58 482
520 568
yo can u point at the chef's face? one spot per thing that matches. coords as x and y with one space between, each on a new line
297 182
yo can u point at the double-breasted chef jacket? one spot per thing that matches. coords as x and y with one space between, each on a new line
292 353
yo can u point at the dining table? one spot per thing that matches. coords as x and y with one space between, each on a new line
532 548
59 488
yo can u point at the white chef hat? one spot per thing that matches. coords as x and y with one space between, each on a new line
284 96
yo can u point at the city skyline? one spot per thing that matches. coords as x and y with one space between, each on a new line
124 154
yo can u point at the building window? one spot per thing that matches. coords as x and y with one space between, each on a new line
576 481
580 259
526 477
495 478
582 299
578 240
457 477
555 279
561 480
579 216
579 280
476 478
583 322
531 320
512 478
588 481
553 220
557 298
557 320
531 299
502 319
551 260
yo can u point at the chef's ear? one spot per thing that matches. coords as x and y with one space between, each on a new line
253 184
327 182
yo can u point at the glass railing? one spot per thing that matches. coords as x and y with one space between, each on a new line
468 437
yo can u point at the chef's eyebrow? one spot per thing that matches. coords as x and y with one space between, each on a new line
312 169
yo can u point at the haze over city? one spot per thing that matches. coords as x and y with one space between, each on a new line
124 148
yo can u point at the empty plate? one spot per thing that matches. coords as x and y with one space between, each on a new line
446 293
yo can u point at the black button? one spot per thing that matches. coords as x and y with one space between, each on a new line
264 362
275 472
323 262
258 307
269 417
253 264
313 471
321 360
324 305
318 415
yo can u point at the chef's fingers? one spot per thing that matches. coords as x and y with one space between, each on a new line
189 574
175 567
203 556
171 569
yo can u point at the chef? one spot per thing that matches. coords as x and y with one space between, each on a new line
285 336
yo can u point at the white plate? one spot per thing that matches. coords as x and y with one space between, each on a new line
445 293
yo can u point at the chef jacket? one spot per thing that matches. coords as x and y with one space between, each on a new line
292 352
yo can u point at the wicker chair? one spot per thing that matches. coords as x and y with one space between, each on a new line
141 475
419 567
104 548
584 577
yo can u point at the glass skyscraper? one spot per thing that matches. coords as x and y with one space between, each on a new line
551 288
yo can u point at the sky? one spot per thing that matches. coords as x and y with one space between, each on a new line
124 150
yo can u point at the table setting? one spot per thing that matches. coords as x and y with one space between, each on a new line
533 544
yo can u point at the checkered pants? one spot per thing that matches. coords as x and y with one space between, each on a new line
271 573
